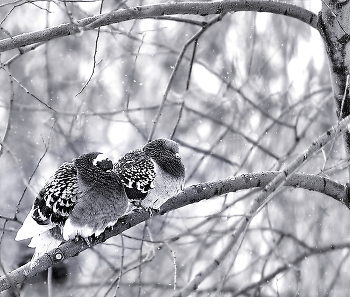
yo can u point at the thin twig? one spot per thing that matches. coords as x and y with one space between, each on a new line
233 130
105 16
121 267
49 282
336 17
23 51
194 38
94 58
195 44
210 153
174 263
35 169
140 257
8 278
8 125
25 89
132 76
260 201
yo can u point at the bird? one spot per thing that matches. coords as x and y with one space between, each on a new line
152 174
82 198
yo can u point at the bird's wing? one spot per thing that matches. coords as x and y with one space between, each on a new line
57 198
170 171
43 243
136 172
53 204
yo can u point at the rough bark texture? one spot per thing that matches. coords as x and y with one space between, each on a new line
334 23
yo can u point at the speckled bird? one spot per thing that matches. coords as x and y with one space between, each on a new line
82 198
152 174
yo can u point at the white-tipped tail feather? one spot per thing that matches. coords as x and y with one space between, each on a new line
31 228
43 243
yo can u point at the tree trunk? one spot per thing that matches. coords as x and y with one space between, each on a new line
334 23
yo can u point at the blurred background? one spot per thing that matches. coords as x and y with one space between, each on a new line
250 96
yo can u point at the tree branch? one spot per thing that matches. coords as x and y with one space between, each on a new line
157 10
333 26
190 195
261 200
306 254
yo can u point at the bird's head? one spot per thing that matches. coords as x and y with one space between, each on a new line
103 163
162 146
95 167
94 161
165 153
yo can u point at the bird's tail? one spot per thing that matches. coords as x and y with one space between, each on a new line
43 243
31 228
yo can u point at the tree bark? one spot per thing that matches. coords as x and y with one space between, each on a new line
334 25
190 195
157 10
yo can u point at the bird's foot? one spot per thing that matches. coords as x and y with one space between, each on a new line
136 206
152 211
88 240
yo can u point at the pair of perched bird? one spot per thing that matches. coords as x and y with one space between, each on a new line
86 196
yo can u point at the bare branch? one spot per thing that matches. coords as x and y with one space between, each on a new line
194 39
190 195
25 89
287 266
151 11
233 130
261 200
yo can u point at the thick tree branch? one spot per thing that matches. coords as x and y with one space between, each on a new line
333 24
157 10
190 195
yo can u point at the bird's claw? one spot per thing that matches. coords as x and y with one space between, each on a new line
87 240
152 211
138 209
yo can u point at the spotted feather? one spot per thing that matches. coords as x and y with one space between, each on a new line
136 171
57 198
